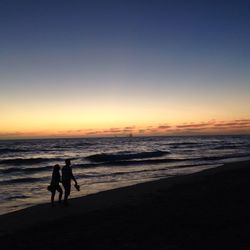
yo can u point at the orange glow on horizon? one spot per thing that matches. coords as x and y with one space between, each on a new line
114 116
238 126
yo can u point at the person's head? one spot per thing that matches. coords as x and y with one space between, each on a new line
56 168
67 162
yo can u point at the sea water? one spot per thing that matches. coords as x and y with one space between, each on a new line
105 163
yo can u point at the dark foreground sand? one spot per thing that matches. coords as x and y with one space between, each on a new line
207 210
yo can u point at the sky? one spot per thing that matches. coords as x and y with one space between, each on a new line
110 68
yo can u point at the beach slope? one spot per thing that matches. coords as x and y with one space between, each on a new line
206 210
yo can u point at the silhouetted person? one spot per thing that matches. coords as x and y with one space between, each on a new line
54 185
67 176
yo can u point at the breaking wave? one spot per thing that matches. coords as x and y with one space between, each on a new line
123 156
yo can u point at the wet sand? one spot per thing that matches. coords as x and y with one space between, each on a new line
206 210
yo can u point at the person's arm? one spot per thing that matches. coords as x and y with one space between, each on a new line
52 179
73 177
60 178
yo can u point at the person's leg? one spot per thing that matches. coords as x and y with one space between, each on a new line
53 191
59 189
65 193
69 189
66 186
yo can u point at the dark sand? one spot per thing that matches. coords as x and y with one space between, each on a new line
206 210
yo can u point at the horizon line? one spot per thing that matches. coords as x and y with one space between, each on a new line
125 136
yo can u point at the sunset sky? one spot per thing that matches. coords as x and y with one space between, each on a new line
101 68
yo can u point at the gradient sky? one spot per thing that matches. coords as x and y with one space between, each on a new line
77 68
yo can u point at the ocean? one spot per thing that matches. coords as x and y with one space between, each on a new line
106 163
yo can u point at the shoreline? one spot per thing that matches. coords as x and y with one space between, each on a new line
115 196
163 203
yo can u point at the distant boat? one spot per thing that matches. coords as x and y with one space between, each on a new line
130 135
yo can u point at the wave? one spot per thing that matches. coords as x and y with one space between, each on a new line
121 156
73 145
28 170
10 170
23 180
127 163
223 157
89 165
141 162
82 144
28 161
226 147
185 145
132 162
120 173
161 161
11 150
17 197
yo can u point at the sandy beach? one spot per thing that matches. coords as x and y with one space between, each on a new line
205 210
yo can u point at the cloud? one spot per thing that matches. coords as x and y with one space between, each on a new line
241 126
229 124
73 131
193 129
127 130
112 130
213 126
194 125
17 133
235 124
243 120
93 133
131 127
164 127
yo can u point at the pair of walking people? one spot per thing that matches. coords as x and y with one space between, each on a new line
67 176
